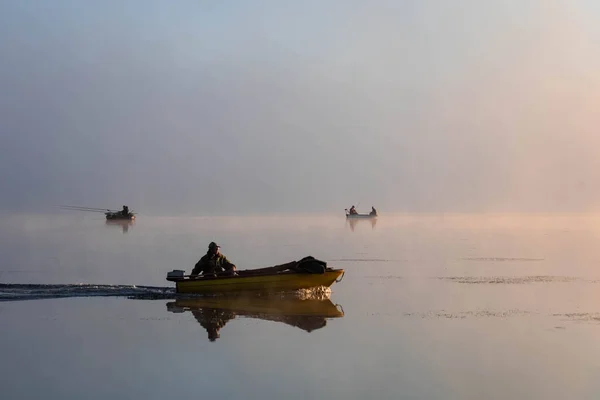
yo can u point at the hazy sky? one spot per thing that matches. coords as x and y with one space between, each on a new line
216 107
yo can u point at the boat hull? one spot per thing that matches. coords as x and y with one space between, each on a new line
119 216
360 216
284 281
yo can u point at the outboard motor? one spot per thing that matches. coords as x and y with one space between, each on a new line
176 274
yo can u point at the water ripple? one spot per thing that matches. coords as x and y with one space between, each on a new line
469 314
501 259
580 316
512 280
362 260
483 313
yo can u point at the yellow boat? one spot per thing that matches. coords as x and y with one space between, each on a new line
304 274
214 313
244 281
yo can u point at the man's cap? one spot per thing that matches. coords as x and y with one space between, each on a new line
213 245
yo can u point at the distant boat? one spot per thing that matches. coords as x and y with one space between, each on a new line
124 214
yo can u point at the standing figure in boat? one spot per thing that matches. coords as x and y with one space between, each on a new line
353 211
213 262
125 211
373 211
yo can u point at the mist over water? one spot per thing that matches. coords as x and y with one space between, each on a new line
431 306
471 126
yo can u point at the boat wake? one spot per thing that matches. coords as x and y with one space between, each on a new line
14 292
316 293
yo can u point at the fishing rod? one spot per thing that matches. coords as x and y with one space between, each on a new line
88 208
98 211
91 209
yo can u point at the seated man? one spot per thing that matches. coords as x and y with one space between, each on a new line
213 262
353 210
373 211
125 211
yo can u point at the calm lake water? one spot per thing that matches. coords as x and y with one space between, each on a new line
432 306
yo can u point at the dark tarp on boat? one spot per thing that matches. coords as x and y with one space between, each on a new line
311 265
308 265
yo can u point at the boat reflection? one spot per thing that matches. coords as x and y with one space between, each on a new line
214 313
352 222
125 224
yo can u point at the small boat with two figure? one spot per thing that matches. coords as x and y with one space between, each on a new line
352 213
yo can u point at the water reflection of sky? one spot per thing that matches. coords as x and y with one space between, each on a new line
434 307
